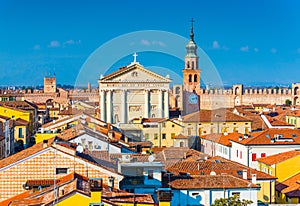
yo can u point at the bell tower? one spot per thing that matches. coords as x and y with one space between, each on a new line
191 72
191 77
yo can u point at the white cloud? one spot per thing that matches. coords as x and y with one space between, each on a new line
145 42
244 48
71 42
54 44
216 45
273 50
160 43
37 47
256 49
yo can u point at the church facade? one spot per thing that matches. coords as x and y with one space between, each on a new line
133 92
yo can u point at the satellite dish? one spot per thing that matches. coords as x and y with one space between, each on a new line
151 158
79 149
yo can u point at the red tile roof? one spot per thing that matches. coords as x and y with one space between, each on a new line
222 138
268 137
212 182
21 122
181 136
290 187
280 157
219 115
217 164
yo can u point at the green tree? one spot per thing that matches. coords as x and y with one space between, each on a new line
231 201
288 102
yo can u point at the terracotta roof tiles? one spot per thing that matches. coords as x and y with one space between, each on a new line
280 157
212 182
219 115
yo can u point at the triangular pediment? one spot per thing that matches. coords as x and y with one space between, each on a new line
134 73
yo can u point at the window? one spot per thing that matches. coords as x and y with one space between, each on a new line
164 125
155 136
61 171
147 136
90 143
263 154
190 78
20 133
236 193
172 135
241 154
189 131
237 153
164 136
173 125
150 174
253 156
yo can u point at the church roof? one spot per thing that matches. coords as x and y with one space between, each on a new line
131 67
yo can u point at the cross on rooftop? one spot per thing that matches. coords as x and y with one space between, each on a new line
134 57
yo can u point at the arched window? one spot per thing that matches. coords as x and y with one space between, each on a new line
188 64
195 78
116 118
193 64
190 78
177 90
296 90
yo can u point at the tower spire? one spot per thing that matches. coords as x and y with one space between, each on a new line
192 29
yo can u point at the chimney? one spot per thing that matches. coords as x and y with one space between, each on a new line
246 136
45 143
245 176
253 178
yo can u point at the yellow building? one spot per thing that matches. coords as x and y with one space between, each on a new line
54 113
40 137
21 132
283 166
160 131
294 118
20 109
288 191
214 121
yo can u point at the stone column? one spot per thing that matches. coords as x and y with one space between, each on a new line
166 104
124 106
160 104
102 105
109 106
146 103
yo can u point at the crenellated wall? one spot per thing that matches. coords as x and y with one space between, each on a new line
238 95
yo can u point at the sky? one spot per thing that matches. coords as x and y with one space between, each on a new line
250 42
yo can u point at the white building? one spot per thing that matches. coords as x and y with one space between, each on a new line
205 189
133 92
219 144
261 144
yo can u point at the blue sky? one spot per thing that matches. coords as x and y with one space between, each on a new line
249 42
